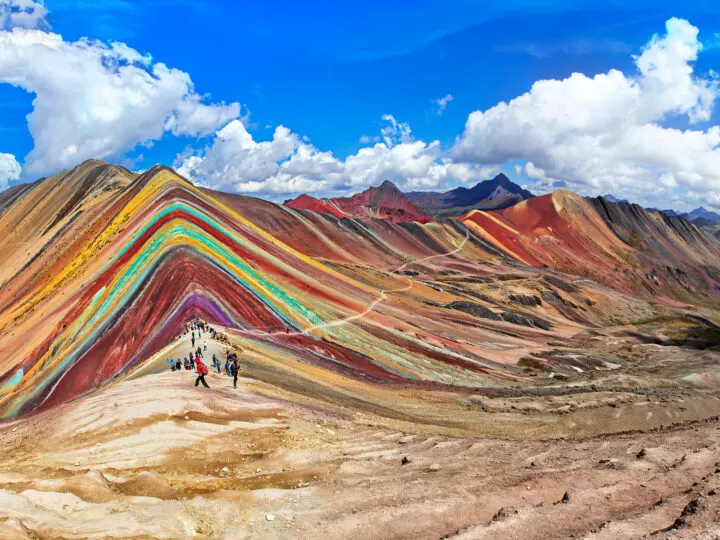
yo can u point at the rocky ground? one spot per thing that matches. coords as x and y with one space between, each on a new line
151 456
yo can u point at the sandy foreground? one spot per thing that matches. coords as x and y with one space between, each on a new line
151 456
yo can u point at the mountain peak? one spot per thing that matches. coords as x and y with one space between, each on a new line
387 185
494 194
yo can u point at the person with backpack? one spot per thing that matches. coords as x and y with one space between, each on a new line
234 369
202 370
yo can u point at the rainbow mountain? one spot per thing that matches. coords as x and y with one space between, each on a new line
102 268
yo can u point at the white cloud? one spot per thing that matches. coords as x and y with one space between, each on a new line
442 104
368 139
607 132
23 14
395 132
287 164
9 169
94 100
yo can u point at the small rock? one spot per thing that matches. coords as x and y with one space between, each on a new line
226 469
565 498
405 460
187 418
642 453
14 429
504 513
270 517
434 467
690 508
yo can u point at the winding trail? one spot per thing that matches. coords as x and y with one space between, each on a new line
381 298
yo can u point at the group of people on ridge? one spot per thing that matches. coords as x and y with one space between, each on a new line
194 360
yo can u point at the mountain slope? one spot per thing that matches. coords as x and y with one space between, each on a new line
130 261
495 194
618 244
306 202
106 267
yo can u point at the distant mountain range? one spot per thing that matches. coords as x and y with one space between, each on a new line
702 213
384 202
495 194
699 213
612 198
388 202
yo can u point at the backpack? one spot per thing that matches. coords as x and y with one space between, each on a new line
204 369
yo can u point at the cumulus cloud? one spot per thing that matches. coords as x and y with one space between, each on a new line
288 164
97 100
22 14
608 131
9 169
442 104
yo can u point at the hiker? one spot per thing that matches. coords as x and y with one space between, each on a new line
193 339
198 352
205 346
234 369
202 370
178 365
227 367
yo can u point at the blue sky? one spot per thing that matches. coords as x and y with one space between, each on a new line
330 71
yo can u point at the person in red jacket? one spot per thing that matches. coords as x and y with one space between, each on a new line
202 370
